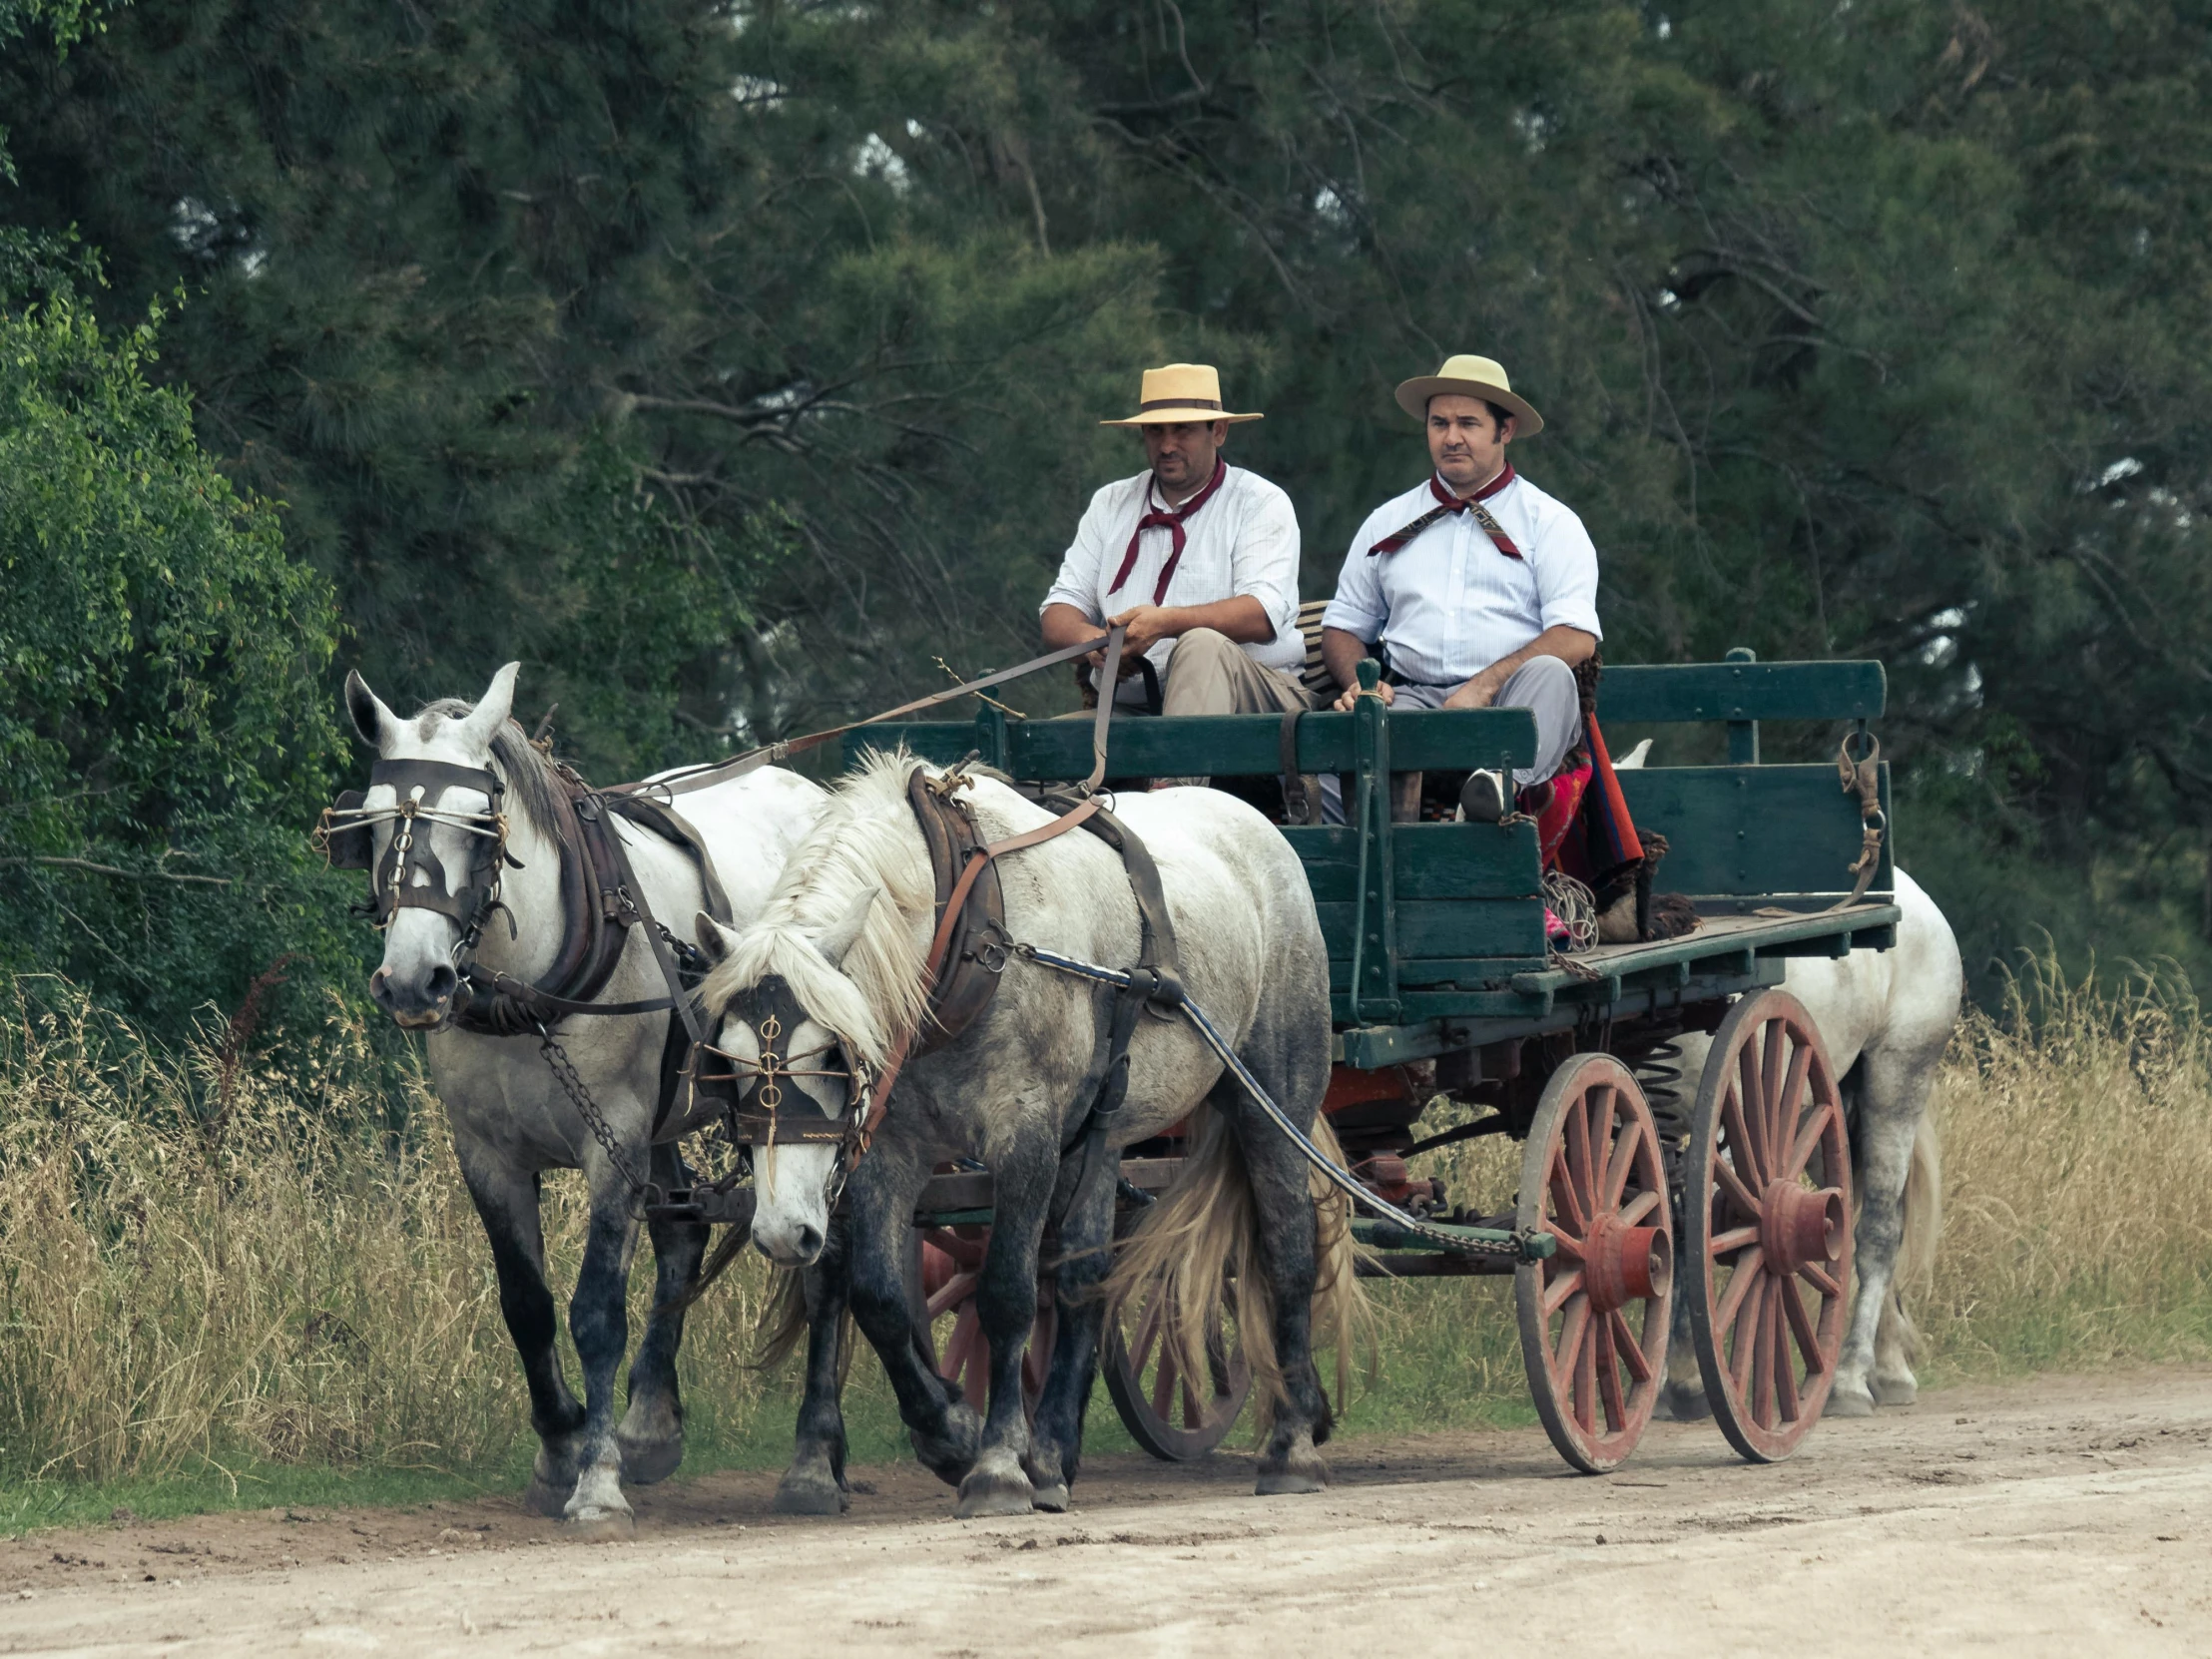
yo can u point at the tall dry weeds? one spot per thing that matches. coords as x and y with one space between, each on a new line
286 1278
2077 1152
293 1278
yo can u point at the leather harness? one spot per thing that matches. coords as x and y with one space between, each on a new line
599 896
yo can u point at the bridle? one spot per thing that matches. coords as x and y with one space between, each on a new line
758 1114
346 837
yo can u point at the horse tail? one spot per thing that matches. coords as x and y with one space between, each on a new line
1922 1227
1197 1247
783 1321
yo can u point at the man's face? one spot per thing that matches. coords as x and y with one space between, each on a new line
1467 441
1183 453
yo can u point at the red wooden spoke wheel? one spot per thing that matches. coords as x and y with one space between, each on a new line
1765 1225
1594 1318
951 1264
1170 1412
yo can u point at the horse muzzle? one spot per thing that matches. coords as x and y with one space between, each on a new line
428 1004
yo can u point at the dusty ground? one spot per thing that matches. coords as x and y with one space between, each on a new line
2061 1516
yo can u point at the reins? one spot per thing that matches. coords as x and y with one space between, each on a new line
709 774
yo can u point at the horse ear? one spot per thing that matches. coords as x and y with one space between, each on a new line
1633 760
837 941
371 718
491 711
714 939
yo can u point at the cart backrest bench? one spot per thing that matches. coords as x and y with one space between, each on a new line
1437 919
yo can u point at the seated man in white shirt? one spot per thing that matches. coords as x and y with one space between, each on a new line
1481 589
1198 559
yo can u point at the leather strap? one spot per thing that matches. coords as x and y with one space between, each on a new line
1299 802
720 772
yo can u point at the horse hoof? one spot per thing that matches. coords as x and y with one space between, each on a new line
1896 1391
545 1499
1677 1404
596 1525
1295 1471
1052 1498
820 1495
986 1494
648 1462
1847 1402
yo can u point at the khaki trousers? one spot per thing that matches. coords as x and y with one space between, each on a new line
1210 674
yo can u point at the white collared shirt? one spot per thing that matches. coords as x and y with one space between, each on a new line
1449 603
1242 541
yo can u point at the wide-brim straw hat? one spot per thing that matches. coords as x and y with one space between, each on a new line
1179 391
1467 376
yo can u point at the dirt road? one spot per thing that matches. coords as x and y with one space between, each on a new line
2059 1518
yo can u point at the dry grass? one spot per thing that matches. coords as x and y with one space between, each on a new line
2077 1150
192 1274
273 1274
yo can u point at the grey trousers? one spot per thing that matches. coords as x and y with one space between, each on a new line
1544 686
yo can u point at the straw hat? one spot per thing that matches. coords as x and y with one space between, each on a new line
1180 391
1469 376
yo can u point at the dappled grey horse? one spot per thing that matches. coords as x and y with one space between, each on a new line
500 872
830 982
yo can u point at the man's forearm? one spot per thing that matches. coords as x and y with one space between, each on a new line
1570 645
1340 653
1064 625
1242 618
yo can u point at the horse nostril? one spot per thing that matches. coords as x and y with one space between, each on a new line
441 984
379 987
809 1242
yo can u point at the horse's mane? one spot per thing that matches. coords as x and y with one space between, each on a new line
865 841
529 775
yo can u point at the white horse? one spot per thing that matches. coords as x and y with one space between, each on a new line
510 1117
824 989
1886 1016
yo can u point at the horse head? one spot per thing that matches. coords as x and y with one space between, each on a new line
439 833
797 1047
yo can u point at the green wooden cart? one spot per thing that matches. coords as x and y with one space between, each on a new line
1444 991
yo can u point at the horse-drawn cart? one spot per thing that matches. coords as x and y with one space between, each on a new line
1446 987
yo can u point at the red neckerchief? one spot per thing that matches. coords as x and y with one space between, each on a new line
1170 520
1448 504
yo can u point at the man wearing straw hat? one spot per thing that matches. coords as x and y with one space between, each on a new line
1197 558
1481 589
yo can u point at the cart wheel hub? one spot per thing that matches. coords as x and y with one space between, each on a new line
1625 1264
1800 1225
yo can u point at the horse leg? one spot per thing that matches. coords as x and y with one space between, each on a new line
650 1435
1006 1305
1291 1061
881 1224
599 1323
814 1484
1085 1255
1893 1093
506 1202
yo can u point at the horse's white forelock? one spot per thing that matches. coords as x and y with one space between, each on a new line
866 841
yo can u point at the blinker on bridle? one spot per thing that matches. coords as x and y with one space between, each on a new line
346 836
758 1117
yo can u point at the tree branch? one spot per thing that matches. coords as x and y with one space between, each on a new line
127 874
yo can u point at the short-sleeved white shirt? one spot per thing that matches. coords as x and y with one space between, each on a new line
1448 602
1242 541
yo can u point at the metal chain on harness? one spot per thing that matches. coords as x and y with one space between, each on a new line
1525 1244
572 1084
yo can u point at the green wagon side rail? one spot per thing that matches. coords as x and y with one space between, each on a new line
1436 930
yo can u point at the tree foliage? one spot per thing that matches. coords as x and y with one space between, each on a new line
163 727
730 361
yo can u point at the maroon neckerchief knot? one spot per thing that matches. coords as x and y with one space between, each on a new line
1170 520
1448 504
